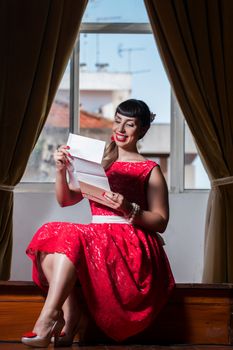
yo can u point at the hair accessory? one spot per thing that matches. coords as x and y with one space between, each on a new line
152 117
133 213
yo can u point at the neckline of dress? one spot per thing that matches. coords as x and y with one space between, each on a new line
133 161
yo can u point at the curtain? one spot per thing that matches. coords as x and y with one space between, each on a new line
37 38
194 38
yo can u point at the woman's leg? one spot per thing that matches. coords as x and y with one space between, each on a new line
71 306
61 275
45 265
72 313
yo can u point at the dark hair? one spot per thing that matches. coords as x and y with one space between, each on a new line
135 109
131 108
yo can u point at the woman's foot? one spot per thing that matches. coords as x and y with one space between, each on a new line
69 330
47 326
72 315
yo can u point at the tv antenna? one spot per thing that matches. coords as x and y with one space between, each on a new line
129 50
100 19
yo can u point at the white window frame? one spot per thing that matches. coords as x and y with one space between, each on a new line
176 147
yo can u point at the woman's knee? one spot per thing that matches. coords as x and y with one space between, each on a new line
46 263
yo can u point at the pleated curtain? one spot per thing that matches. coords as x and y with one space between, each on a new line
37 38
194 38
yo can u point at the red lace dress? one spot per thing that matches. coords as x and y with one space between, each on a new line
123 269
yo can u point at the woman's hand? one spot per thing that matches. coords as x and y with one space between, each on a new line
62 158
117 201
65 195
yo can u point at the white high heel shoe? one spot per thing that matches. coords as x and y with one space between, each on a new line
34 340
66 339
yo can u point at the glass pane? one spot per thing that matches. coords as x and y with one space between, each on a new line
113 68
195 175
116 11
40 166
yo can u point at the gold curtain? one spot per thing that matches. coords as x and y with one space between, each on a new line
36 39
194 38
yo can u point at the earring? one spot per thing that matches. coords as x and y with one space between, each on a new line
112 138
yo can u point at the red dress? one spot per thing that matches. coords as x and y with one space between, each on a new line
123 270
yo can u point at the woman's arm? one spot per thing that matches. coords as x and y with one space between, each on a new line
156 218
65 194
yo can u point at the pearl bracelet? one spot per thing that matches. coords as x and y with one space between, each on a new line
134 212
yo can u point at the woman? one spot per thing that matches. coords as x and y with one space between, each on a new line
118 259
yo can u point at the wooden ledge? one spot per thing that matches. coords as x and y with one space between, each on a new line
28 286
196 314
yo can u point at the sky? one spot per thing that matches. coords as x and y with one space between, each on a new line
127 10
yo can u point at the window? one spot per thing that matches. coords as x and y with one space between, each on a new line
115 67
116 58
195 176
40 166
188 172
